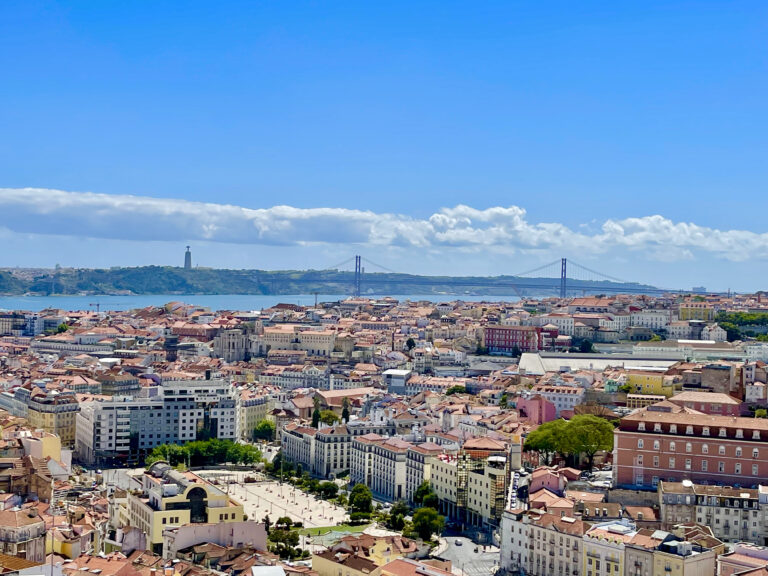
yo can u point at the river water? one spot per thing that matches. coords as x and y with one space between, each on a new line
241 302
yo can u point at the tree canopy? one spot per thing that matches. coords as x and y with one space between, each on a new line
264 430
583 434
328 417
426 522
360 499
203 452
455 390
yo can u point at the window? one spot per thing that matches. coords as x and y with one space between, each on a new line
673 428
722 433
755 452
754 469
656 444
737 468
639 442
738 451
689 430
705 448
721 466
655 461
641 426
688 447
721 450
671 446
703 465
705 431
671 463
687 463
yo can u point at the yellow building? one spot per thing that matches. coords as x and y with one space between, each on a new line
253 407
650 382
54 411
172 498
362 555
330 563
642 400
604 544
696 311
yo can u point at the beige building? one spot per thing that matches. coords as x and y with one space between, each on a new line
172 498
554 544
603 550
294 337
54 411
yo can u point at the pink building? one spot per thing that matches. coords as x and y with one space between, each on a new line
676 444
536 409
548 479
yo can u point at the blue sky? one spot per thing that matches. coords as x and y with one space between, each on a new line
584 115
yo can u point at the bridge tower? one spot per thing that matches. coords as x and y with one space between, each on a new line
563 277
358 275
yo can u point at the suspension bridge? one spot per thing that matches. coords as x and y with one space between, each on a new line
560 277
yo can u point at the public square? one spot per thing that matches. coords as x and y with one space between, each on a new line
269 497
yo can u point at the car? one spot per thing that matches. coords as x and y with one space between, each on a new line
458 542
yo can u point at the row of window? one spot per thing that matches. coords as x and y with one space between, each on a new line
689 448
705 431
721 467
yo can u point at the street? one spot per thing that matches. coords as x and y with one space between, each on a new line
467 562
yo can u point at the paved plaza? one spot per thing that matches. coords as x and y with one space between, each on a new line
269 497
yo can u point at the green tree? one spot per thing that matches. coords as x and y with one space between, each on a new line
345 410
410 344
586 347
422 492
426 522
587 434
264 430
396 522
267 523
504 400
328 417
401 508
316 412
360 499
284 542
328 490
455 390
61 328
761 413
548 439
516 352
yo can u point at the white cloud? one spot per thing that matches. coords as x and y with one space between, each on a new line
499 229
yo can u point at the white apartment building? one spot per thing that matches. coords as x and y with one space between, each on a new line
564 322
563 397
554 545
380 464
298 446
653 319
124 429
